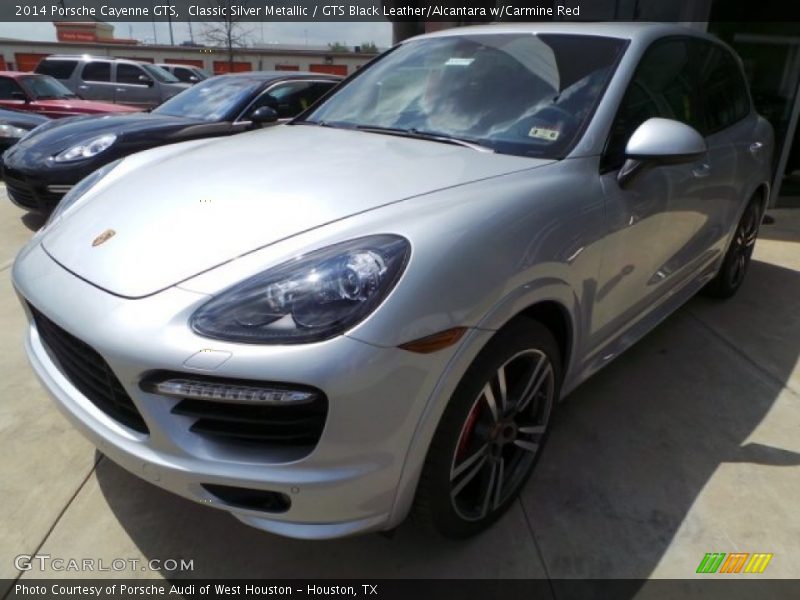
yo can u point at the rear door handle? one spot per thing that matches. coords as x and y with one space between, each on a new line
83 87
756 148
702 170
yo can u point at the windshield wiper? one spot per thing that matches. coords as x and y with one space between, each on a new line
334 124
431 136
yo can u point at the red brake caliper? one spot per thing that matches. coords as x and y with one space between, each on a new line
469 429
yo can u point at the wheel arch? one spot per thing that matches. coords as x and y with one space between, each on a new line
762 190
556 318
549 305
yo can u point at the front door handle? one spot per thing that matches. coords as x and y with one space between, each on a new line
756 148
702 170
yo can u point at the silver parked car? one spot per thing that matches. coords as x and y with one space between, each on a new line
374 309
185 73
119 80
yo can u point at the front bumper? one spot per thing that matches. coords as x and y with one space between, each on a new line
35 192
348 484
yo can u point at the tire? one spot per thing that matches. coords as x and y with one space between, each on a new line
485 448
734 266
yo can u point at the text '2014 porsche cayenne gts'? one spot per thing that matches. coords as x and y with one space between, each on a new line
374 309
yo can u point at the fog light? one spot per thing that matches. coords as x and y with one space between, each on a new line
227 392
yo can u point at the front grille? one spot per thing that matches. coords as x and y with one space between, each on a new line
273 425
89 373
28 195
21 195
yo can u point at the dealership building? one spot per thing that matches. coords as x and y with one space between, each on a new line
97 38
770 52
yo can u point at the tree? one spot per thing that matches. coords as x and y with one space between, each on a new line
338 47
369 47
229 32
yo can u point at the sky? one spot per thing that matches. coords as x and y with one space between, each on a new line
302 33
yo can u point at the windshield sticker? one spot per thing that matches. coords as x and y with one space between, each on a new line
542 133
458 62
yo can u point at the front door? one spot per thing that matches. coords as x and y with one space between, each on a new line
659 220
11 95
134 86
95 81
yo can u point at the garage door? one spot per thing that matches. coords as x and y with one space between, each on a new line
222 66
3 66
27 61
330 69
184 61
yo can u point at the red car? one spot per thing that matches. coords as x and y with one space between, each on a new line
47 96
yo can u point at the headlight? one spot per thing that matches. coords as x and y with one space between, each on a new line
10 131
79 189
308 299
88 149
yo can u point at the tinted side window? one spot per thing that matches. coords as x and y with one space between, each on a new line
7 89
290 99
60 69
182 74
129 74
724 89
96 71
662 86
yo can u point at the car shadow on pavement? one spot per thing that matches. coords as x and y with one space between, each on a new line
630 452
782 228
633 448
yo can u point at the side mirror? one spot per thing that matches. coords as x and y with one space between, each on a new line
19 96
145 80
263 115
660 142
193 78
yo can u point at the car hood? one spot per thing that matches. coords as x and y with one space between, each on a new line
180 210
61 134
22 119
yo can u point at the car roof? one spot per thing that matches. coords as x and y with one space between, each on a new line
624 30
89 57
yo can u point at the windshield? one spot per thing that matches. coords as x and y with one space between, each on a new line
523 94
44 87
160 74
214 99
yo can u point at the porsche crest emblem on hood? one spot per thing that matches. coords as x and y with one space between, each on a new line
103 237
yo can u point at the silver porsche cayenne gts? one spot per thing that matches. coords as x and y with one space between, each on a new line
373 310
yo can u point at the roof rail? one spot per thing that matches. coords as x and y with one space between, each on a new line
91 57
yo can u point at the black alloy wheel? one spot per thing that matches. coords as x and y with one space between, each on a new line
492 432
734 266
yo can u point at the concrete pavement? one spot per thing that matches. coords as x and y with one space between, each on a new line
686 444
